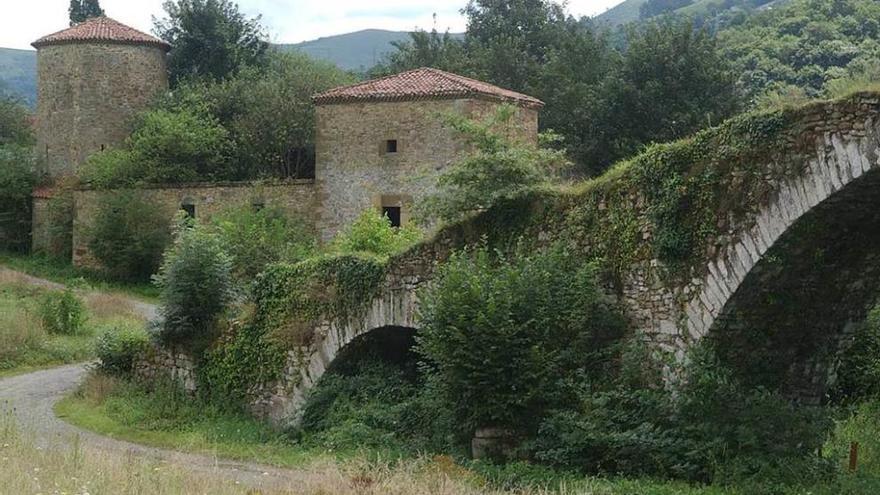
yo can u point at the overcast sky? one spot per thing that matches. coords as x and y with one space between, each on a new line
289 21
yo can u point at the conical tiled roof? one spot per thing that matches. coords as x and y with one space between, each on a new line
101 29
423 84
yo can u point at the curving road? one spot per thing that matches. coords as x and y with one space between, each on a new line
31 397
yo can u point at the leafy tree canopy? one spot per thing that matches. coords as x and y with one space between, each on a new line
210 39
82 10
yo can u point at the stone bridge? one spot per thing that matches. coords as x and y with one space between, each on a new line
785 278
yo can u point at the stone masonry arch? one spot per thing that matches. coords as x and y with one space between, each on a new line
846 154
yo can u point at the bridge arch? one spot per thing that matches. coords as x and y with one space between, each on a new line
394 308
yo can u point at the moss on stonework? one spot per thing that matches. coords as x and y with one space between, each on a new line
673 201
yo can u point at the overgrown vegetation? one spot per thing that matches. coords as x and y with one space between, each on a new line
259 123
18 175
196 283
501 165
39 327
129 235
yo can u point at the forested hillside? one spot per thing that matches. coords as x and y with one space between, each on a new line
18 74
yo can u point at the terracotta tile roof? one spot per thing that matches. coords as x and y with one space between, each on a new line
423 84
100 29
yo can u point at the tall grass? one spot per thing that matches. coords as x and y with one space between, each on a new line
26 344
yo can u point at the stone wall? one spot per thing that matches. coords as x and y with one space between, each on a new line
159 362
296 198
354 169
88 94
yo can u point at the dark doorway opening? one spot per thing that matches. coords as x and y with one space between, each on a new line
393 214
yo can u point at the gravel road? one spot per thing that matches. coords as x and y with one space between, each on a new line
31 398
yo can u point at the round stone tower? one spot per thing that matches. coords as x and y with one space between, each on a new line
92 79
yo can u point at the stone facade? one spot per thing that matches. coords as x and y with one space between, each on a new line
88 93
356 171
296 198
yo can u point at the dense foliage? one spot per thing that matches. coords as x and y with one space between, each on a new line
210 39
196 282
257 124
18 175
255 238
372 233
500 164
129 235
596 93
858 376
507 338
803 44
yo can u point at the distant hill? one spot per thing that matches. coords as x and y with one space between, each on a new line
18 74
357 51
360 50
629 10
623 13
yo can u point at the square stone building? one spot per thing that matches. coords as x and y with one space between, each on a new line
381 143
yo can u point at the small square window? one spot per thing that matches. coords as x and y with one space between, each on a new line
391 146
392 213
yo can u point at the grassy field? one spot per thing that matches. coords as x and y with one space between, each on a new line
26 345
63 272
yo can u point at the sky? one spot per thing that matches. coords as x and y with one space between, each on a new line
288 21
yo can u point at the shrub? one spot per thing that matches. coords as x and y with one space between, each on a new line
118 347
372 233
196 283
256 238
166 147
500 166
63 313
712 428
506 337
129 235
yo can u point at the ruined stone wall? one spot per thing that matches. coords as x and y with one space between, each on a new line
354 169
296 198
41 237
88 94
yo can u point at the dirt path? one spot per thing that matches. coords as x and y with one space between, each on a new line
31 398
147 310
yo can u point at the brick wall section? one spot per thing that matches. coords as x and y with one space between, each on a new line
295 198
88 94
353 168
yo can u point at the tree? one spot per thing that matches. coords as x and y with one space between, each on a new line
210 39
82 10
14 125
500 166
196 283
512 39
426 49
671 82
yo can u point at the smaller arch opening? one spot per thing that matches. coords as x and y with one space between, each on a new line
388 345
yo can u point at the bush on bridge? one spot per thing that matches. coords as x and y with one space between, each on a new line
196 282
508 338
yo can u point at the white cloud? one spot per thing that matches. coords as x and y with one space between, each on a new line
289 21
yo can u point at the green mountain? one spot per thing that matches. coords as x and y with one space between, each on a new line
630 10
18 74
360 50
622 13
